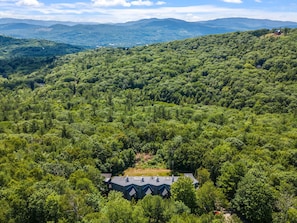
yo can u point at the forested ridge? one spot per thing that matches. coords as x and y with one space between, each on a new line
24 56
222 106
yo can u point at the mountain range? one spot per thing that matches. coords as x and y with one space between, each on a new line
142 32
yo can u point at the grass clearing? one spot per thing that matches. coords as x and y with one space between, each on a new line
147 172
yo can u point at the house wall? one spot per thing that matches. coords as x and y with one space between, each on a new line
140 190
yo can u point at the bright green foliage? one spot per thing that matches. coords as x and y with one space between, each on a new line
254 198
210 198
184 218
222 104
285 203
118 209
184 191
44 205
138 215
231 174
214 159
156 209
292 215
202 176
4 211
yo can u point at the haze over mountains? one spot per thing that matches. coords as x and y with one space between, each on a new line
129 34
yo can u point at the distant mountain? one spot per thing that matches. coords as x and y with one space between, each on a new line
243 24
129 34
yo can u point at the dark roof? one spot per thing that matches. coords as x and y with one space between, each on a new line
145 180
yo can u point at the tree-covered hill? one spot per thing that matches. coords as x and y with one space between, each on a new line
11 47
22 55
238 70
222 106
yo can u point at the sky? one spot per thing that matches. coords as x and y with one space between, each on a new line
118 11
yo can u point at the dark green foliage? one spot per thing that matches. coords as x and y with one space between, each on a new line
243 71
155 209
210 198
254 198
221 105
231 174
26 56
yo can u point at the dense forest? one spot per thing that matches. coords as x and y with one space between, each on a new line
24 56
221 106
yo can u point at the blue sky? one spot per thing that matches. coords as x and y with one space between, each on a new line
107 11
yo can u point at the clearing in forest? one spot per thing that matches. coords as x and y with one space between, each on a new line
147 172
147 165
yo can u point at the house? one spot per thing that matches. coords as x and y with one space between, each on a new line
277 32
137 187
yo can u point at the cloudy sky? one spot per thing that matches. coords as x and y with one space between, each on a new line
114 11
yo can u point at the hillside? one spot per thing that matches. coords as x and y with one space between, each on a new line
129 34
20 55
221 106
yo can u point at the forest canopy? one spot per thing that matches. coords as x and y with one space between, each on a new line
221 106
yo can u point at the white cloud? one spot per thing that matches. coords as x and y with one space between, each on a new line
125 3
140 2
160 3
233 1
108 3
259 1
89 12
28 3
